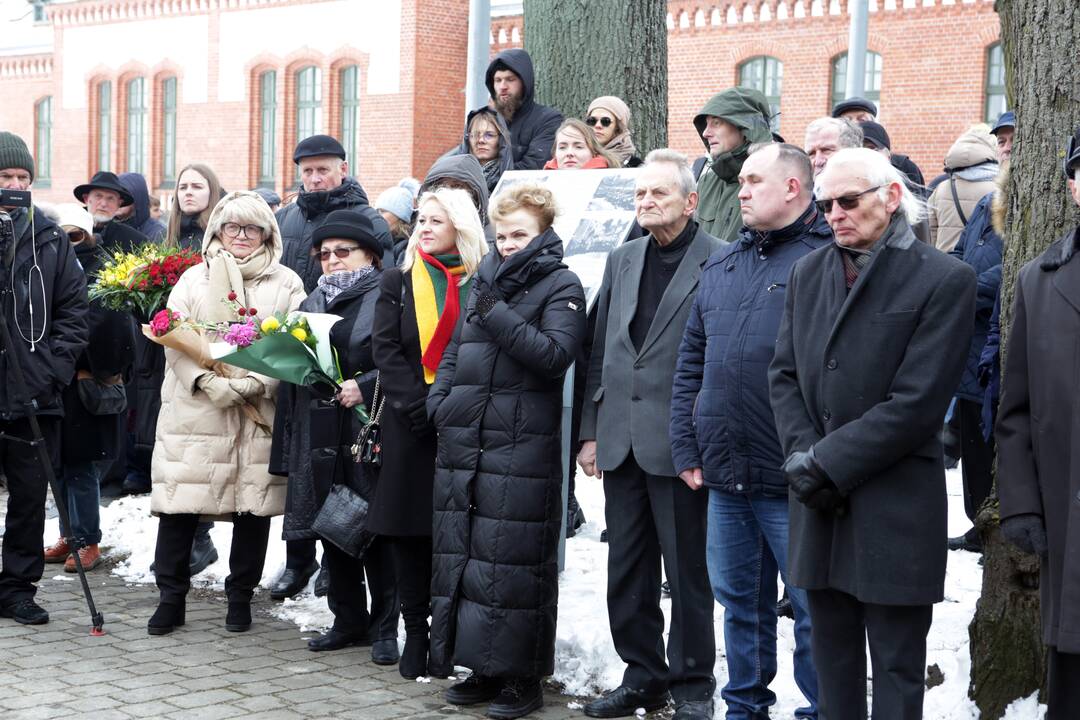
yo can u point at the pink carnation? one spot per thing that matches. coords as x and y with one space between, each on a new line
161 322
241 334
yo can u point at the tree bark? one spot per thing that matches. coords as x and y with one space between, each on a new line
1041 70
583 49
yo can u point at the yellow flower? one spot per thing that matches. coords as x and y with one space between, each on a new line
299 333
271 324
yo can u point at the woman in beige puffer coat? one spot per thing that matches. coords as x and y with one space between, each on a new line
210 457
972 165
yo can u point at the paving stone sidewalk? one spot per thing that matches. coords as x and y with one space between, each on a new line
200 671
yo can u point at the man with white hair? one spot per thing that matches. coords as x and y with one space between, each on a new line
874 336
828 135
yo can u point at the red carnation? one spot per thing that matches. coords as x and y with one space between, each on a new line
232 296
142 284
241 312
253 312
172 279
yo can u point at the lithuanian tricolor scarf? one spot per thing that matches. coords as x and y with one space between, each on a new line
437 298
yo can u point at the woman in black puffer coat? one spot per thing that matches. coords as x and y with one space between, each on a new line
314 429
497 406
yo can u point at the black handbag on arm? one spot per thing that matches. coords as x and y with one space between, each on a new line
367 450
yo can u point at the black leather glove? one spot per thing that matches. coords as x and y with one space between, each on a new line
1026 532
807 479
485 302
418 419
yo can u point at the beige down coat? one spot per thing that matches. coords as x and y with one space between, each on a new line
972 164
208 460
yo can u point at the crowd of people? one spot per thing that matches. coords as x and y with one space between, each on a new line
824 312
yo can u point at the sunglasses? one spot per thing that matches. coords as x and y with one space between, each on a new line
846 202
342 252
602 121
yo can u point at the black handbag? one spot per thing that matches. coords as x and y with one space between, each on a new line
342 520
101 398
367 449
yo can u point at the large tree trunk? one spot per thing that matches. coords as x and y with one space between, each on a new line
1041 69
582 49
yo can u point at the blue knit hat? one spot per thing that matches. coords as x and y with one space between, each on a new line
396 200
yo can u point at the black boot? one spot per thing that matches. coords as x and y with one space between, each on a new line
474 689
414 658
167 617
203 552
575 518
238 619
292 582
322 580
519 697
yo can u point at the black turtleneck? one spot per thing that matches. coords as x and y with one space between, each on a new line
661 262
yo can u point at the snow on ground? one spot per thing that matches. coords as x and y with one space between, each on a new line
585 659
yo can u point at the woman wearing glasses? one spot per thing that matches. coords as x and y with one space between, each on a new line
316 427
488 140
210 458
609 118
576 148
419 306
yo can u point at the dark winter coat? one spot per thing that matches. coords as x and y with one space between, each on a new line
1038 428
864 378
299 220
533 126
116 235
191 233
110 352
989 371
402 505
907 166
981 248
721 420
313 435
497 405
59 318
153 230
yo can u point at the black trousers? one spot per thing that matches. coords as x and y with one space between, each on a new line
412 567
246 556
299 554
347 595
23 554
651 519
1063 681
840 629
976 456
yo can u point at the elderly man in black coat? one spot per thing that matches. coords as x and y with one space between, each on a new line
873 339
1038 431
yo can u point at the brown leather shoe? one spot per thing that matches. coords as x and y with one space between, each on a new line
58 552
90 557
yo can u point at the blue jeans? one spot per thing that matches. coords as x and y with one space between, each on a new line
81 485
747 546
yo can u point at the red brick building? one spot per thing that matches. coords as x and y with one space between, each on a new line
151 85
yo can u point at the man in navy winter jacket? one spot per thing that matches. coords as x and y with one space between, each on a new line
722 427
511 82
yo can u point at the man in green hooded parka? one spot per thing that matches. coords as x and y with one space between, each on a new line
729 124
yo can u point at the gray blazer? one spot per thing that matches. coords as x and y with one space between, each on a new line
628 393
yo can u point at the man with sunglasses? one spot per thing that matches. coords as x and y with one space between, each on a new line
874 336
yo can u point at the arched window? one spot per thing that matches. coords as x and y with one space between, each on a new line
996 102
764 74
308 102
267 127
135 101
43 142
104 126
168 131
349 85
871 81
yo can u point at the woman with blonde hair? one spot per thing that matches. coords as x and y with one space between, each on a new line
576 148
418 308
210 458
497 406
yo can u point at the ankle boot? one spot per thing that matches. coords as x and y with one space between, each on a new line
238 619
167 617
414 658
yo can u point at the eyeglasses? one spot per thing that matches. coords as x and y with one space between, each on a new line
342 252
485 136
232 230
602 121
846 202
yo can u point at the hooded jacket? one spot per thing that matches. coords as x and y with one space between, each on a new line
505 159
971 165
497 406
140 219
299 220
532 129
718 187
464 168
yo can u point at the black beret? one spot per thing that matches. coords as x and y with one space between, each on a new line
317 145
348 225
855 103
875 134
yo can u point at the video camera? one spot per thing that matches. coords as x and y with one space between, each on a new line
14 198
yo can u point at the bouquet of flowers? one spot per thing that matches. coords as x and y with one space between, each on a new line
141 280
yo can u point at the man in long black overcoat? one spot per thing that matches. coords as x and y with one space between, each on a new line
874 336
